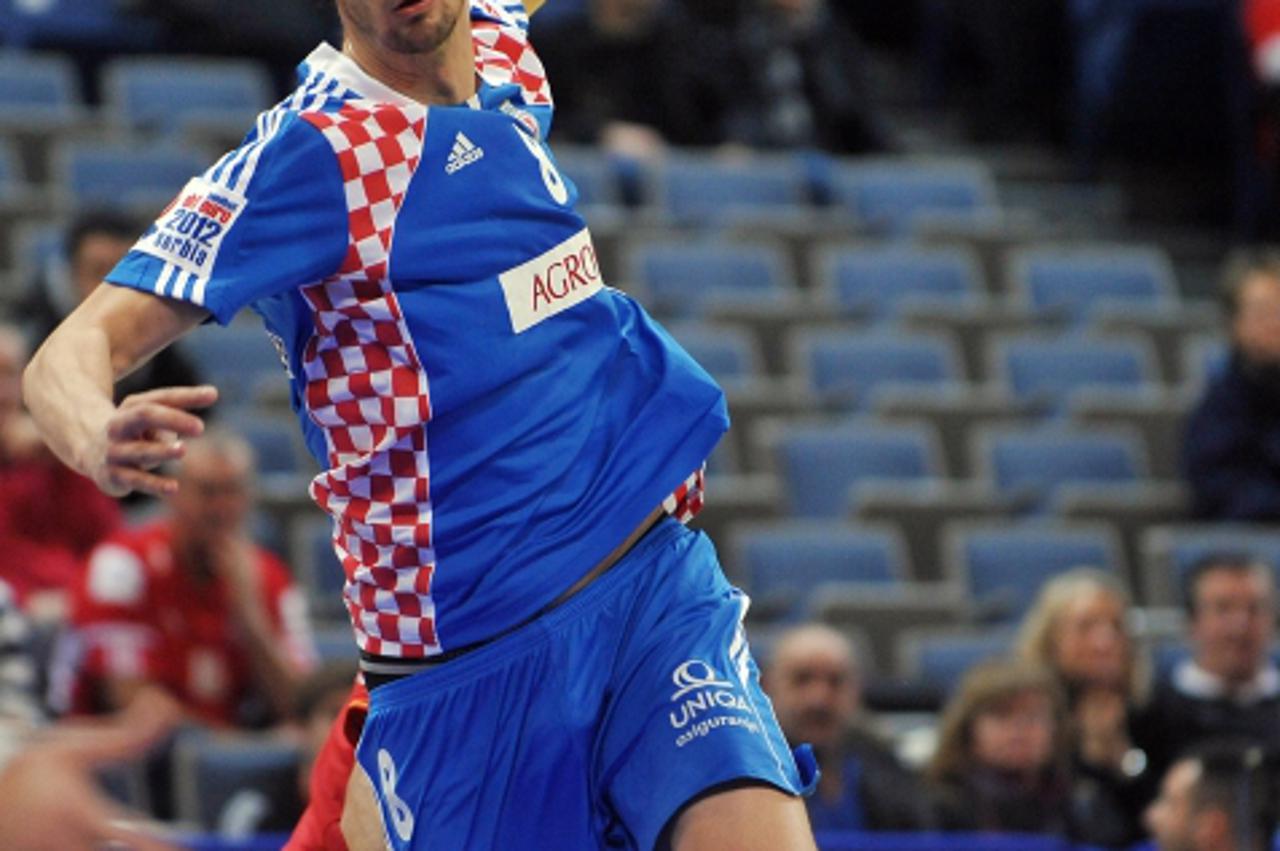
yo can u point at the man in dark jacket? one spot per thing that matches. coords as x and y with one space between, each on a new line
1230 687
1232 446
812 679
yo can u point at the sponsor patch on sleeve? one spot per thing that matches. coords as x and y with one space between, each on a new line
190 231
552 282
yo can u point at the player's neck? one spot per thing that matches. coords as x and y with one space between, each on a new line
443 77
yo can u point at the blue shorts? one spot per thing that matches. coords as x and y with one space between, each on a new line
591 726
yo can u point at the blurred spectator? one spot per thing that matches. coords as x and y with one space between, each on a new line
19 706
1232 446
636 75
190 605
49 800
799 81
1230 687
1222 798
1078 630
50 516
95 242
812 679
1002 763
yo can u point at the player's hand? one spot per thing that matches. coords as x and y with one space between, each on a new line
145 432
48 796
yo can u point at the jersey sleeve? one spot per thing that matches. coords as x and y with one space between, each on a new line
268 217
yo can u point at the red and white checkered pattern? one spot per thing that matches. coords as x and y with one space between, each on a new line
367 389
686 501
504 55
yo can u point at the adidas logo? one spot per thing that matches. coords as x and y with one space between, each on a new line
464 153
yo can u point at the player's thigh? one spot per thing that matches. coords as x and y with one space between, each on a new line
361 821
742 817
687 713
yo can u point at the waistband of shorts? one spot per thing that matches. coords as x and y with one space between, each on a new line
472 660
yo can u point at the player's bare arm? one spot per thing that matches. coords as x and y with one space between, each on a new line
68 390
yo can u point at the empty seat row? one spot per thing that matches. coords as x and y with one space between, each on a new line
688 188
140 94
991 572
822 466
1048 281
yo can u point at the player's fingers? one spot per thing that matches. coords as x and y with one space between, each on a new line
122 480
143 454
187 398
144 418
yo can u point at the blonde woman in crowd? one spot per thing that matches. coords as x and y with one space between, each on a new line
1078 630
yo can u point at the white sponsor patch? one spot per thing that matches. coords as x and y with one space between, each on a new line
189 233
552 282
704 701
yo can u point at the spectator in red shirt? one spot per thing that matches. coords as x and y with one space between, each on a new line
191 606
50 516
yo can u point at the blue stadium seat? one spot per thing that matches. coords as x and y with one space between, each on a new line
236 785
37 91
239 359
122 175
819 464
881 281
166 93
684 278
889 195
1076 281
783 562
1003 567
1036 462
730 354
940 659
844 365
704 189
1034 367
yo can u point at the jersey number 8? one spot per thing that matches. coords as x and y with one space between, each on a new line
550 177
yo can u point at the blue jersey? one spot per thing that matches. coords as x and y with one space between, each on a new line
492 419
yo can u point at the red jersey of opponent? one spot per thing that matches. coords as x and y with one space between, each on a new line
139 614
